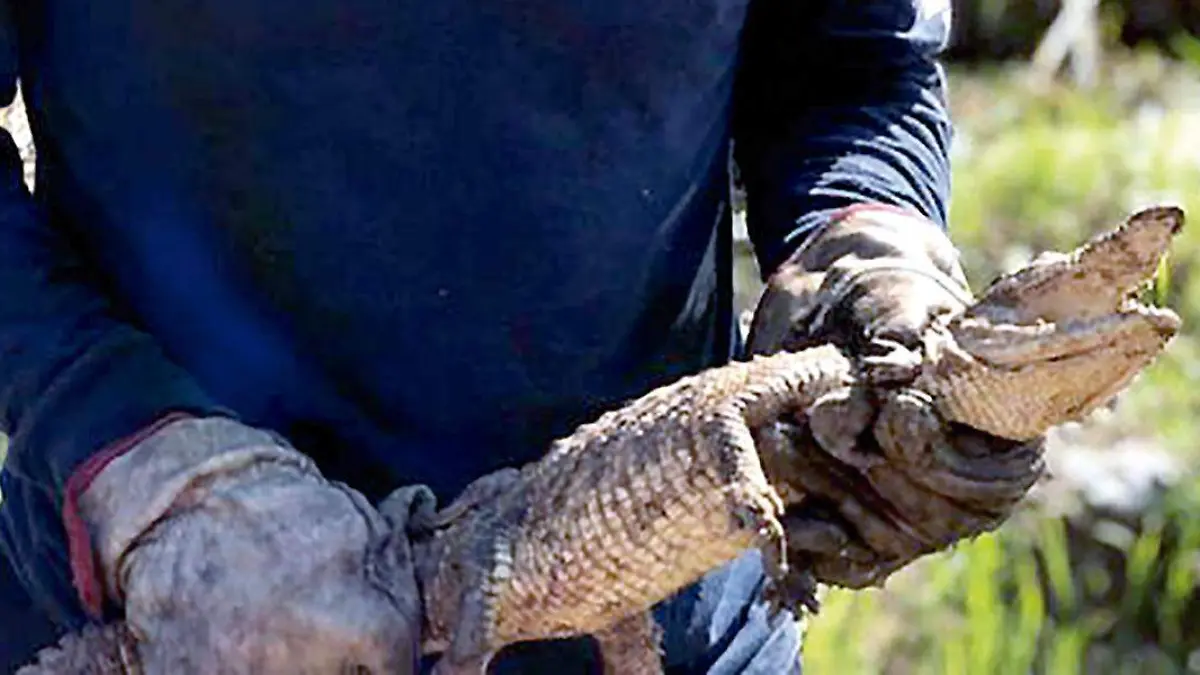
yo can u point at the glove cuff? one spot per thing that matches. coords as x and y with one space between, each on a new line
138 483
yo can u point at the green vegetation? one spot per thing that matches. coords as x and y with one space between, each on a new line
1017 602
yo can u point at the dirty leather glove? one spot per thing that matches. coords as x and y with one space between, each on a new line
872 278
870 282
231 554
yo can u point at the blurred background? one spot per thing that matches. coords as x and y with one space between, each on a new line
1069 115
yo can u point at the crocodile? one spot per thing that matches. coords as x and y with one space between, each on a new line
649 497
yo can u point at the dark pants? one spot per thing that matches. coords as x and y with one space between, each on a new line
23 629
718 626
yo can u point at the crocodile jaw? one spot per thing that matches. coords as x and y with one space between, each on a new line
1019 381
1096 279
1053 342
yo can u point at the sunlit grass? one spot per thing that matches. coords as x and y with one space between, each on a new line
1010 604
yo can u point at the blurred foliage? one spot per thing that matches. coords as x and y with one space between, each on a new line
991 30
1029 599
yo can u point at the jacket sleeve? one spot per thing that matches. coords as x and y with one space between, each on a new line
74 375
839 104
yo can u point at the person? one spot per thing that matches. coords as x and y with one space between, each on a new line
282 259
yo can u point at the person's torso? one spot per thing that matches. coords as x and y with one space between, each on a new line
448 230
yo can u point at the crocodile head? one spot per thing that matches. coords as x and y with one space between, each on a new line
1058 338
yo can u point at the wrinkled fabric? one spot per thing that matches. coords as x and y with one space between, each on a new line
418 240
229 552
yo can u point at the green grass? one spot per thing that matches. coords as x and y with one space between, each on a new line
1015 602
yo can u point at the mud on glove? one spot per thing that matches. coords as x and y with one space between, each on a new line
230 553
907 484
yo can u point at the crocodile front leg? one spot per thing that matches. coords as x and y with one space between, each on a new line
625 512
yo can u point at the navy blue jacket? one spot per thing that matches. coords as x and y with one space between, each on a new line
421 239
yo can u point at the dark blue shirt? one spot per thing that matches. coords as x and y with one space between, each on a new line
420 239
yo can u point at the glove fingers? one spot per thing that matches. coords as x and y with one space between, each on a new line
327 631
288 577
901 507
952 460
851 496
991 483
809 534
854 574
939 521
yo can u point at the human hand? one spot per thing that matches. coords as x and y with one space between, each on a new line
230 553
901 479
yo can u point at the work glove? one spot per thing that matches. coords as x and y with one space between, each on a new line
902 480
230 553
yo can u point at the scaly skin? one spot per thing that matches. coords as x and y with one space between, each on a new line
648 498
1056 339
622 513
